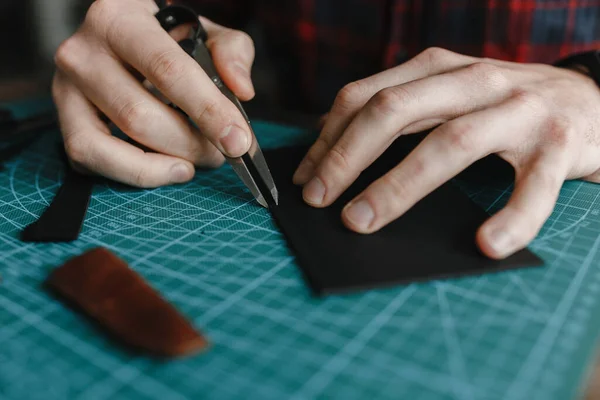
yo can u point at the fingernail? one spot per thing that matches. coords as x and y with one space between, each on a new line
180 173
234 141
303 173
314 192
501 242
360 214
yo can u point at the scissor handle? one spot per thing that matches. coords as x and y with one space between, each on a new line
171 17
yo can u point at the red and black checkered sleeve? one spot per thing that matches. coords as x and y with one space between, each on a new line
543 30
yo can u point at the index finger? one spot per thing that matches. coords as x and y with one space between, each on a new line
444 153
354 96
152 51
389 113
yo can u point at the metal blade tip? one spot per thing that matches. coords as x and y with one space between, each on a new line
261 200
275 195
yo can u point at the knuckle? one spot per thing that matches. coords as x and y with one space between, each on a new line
140 178
417 169
531 100
338 157
68 54
490 75
213 116
559 131
133 117
392 100
349 96
311 158
76 149
96 9
459 136
316 152
323 143
100 13
208 111
435 56
165 69
175 142
397 188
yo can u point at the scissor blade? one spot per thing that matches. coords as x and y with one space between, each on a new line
251 167
240 169
265 174
254 172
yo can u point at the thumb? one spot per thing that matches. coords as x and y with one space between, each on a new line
233 54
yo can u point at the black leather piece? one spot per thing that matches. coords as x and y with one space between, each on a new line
435 239
62 220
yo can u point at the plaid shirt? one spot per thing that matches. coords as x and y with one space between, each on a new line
320 45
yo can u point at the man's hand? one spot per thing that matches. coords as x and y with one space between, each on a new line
544 120
101 69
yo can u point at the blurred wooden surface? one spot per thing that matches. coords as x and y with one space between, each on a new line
593 385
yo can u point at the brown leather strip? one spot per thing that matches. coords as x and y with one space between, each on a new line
106 289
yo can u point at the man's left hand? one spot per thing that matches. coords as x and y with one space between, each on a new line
543 120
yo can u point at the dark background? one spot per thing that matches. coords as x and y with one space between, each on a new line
30 31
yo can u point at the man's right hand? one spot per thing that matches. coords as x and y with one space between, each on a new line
101 69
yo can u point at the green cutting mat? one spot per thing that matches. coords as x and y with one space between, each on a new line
219 258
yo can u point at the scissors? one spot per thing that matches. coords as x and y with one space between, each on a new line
251 167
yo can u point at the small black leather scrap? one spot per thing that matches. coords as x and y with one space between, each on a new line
63 219
435 239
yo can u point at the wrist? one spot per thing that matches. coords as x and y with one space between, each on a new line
587 63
